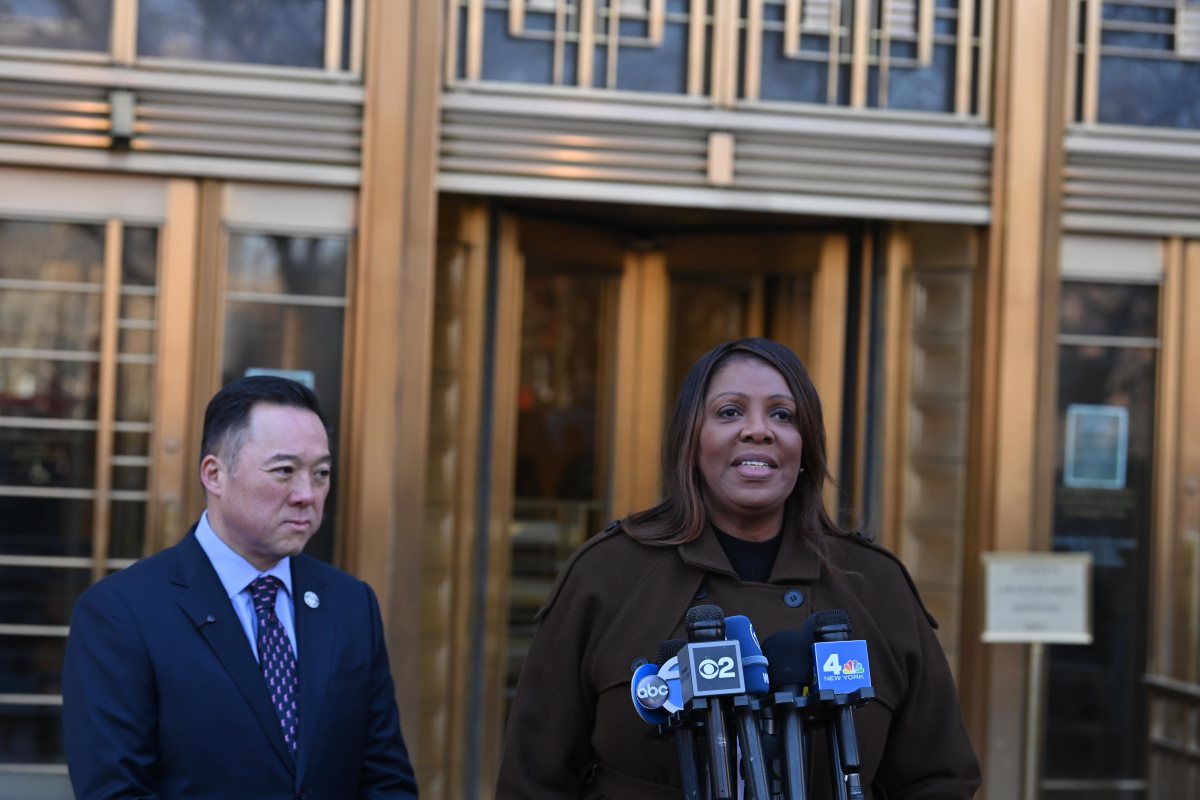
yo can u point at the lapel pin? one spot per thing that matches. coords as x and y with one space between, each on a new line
311 600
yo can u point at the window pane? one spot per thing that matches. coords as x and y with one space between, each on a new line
56 25
31 734
31 664
1107 309
40 595
47 458
45 526
282 32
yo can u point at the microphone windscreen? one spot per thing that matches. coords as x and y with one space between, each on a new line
754 663
831 625
669 649
790 656
705 623
706 613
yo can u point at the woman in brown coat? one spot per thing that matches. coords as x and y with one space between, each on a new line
743 527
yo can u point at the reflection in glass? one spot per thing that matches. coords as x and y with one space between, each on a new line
39 595
46 526
286 309
704 313
281 32
56 24
47 458
1096 710
31 664
31 734
128 524
567 324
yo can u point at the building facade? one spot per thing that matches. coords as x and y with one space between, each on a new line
493 235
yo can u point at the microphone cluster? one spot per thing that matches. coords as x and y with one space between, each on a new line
726 701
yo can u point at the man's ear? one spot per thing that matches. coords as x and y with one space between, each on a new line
212 474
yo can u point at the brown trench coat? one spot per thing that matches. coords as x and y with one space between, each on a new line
572 730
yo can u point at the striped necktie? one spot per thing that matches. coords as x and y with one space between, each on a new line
275 657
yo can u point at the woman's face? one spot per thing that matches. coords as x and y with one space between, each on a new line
750 448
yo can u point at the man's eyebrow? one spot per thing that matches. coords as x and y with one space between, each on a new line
284 456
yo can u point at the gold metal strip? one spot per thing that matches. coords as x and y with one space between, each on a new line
106 394
358 21
474 60
560 36
828 338
696 38
334 14
657 21
1072 76
725 65
925 30
983 81
587 46
898 261
835 44
962 73
123 34
860 54
752 59
614 41
516 16
1091 63
792 15
1171 448
33 630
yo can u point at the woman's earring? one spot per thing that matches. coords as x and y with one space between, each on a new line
802 469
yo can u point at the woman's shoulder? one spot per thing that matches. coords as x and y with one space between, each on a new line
608 564
857 552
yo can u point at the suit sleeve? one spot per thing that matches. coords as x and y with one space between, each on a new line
547 749
928 753
110 716
386 771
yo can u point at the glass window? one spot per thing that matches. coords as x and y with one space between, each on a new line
285 309
56 25
281 32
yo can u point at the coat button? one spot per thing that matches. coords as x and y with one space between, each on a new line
792 598
701 593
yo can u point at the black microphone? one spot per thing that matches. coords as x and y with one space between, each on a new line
685 737
706 625
834 626
789 654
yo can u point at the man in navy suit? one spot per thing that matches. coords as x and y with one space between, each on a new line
231 665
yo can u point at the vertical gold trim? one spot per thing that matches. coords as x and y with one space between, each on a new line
516 16
587 47
964 52
450 59
696 60
835 53
1091 63
560 42
791 28
641 370
752 60
860 54
123 34
895 380
358 21
885 54
474 59
658 21
106 393
175 359
724 63
510 290
1171 450
983 81
862 400
925 31
828 339
334 14
1183 535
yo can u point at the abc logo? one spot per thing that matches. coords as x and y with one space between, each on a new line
708 669
652 692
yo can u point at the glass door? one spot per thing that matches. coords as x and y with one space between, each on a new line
84 388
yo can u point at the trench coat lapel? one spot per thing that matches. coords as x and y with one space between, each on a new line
315 612
204 601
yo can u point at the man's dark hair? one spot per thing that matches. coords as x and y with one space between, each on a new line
228 412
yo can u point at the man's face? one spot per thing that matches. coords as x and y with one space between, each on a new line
268 502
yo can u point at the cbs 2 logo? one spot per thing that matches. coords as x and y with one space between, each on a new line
719 668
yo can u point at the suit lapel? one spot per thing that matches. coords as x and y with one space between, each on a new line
204 600
315 615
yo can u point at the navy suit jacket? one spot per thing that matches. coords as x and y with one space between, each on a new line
162 696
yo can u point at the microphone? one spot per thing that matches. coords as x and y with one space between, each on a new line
711 670
754 667
790 656
841 665
685 737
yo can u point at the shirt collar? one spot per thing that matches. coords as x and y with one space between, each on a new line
235 572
